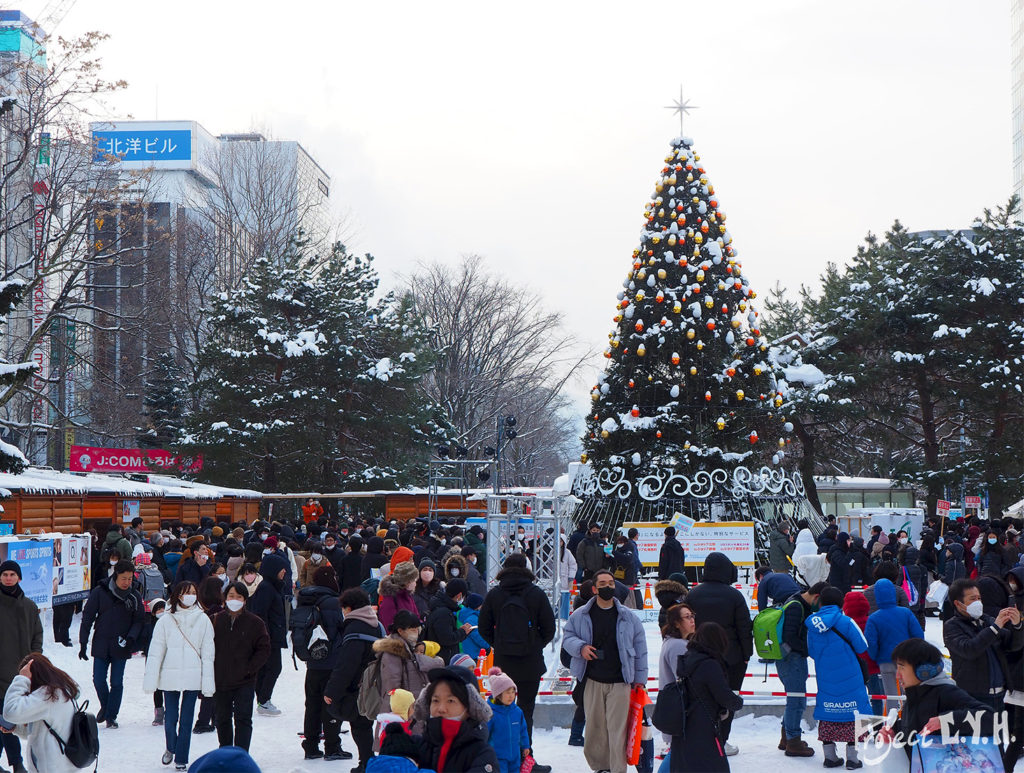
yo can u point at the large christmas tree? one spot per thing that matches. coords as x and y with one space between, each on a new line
689 385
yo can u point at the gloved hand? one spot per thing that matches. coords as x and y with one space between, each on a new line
81 654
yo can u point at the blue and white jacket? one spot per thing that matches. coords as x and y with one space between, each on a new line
841 691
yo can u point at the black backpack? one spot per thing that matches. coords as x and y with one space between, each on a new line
670 709
82 747
303 622
514 632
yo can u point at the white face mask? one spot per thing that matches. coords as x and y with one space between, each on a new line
455 572
234 604
113 562
903 540
263 537
975 609
316 558
158 615
188 600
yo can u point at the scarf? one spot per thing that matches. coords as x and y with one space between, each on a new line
125 596
449 729
13 591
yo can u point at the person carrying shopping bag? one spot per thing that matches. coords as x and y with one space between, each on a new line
181 663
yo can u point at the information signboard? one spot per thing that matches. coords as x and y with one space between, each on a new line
733 538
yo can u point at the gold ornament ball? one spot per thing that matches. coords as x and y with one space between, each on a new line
700 345
720 423
641 350
661 273
739 394
583 458
604 434
691 334
693 370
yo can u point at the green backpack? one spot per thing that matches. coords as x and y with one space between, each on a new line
768 632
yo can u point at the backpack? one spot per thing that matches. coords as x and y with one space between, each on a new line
514 633
670 708
768 631
82 747
913 596
151 584
369 701
309 640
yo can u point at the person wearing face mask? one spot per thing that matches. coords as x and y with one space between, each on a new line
992 559
454 567
351 565
607 645
180 663
590 553
196 567
315 561
332 552
454 719
441 624
242 647
267 603
427 586
117 612
401 667
474 579
979 644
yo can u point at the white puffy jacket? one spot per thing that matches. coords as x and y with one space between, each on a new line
28 711
181 653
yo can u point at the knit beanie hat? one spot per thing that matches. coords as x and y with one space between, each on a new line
401 702
455 587
404 573
499 681
400 555
431 648
11 566
326 577
398 743
473 601
271 542
217 531
463 660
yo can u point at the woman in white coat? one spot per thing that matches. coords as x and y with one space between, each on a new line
180 663
41 693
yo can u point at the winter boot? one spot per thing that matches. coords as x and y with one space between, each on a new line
852 763
576 734
158 717
782 740
797 747
831 758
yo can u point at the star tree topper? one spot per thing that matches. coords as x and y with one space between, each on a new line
682 107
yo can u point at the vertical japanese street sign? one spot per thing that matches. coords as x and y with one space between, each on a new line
40 295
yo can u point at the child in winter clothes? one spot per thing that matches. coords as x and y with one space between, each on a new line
470 613
398 752
400 704
507 726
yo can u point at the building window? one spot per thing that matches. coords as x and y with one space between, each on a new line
323 187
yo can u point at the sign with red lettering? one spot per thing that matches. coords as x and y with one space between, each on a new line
92 459
942 508
973 501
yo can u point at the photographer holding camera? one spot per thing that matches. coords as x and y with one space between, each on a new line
608 646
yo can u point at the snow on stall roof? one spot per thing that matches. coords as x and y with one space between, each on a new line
36 480
852 482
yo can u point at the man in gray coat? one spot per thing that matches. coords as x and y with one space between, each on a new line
608 646
780 548
22 634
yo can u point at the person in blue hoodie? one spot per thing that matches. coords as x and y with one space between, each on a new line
507 725
470 613
835 643
886 628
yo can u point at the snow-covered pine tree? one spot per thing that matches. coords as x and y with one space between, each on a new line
12 375
688 384
312 382
163 404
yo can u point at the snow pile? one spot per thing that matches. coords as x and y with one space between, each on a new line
805 374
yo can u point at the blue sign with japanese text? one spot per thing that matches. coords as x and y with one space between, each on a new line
128 145
35 557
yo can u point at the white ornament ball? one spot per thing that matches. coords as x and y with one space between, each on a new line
788 426
636 460
674 391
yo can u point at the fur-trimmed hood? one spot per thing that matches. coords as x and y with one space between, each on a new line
389 586
669 592
392 645
455 561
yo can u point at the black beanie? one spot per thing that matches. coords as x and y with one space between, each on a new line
455 587
398 743
11 566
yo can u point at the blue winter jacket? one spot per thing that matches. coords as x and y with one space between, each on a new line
890 625
775 586
629 635
841 691
473 642
508 736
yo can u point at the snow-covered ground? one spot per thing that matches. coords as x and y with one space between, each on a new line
137 745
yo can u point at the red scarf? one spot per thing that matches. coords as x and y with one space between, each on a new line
449 729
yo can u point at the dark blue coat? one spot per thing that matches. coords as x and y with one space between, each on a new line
890 625
775 586
267 602
189 570
843 692
113 618
508 736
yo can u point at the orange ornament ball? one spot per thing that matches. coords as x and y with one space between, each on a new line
658 433
711 324
730 372
635 413
639 326
750 341
707 396
675 358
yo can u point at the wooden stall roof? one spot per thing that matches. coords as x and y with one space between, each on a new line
45 482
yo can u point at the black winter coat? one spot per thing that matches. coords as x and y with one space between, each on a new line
336 558
113 618
514 581
189 570
838 558
353 657
22 633
860 566
969 641
374 558
716 601
624 558
242 647
470 751
955 567
267 603
326 600
671 559
442 627
351 571
993 562
935 697
707 694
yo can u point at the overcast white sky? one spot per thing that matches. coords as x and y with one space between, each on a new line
532 132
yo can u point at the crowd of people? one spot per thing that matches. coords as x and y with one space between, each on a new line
390 620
